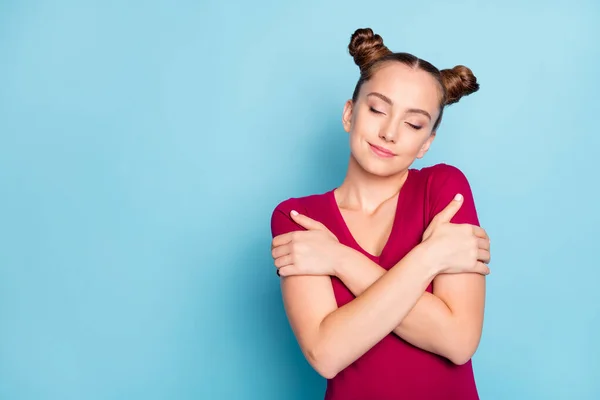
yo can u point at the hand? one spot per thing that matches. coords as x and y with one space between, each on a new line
457 248
315 251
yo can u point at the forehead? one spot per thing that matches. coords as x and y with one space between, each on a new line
405 86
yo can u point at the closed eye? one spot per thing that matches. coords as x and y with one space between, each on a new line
416 127
375 111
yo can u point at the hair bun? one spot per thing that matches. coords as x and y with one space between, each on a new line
366 47
458 82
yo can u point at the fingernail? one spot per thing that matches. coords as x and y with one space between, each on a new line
458 197
294 213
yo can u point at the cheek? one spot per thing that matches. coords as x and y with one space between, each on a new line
410 142
362 132
356 143
414 144
366 125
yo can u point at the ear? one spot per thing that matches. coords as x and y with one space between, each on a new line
426 145
347 115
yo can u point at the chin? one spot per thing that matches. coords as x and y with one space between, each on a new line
373 165
378 169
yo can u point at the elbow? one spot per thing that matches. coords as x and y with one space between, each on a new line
323 363
327 373
463 349
460 358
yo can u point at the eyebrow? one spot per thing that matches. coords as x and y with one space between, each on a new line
382 97
418 111
391 103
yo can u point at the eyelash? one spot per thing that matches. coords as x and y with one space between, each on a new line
415 127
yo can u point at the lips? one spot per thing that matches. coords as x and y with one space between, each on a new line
381 151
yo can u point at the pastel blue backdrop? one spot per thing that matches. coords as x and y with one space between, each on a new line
143 146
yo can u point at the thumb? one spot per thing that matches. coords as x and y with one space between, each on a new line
305 222
451 209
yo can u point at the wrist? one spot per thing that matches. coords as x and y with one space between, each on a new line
426 256
343 258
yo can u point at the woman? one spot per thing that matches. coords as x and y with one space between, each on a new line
383 278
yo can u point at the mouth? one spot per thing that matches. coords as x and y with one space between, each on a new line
381 151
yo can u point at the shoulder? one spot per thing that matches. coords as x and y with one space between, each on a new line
301 204
442 174
443 182
281 221
439 178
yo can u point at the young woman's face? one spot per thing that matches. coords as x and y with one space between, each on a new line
391 123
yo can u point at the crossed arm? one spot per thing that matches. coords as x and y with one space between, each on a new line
448 322
332 338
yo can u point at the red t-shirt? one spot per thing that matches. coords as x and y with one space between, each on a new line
393 368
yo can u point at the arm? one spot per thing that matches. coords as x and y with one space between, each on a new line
463 294
430 325
449 321
331 338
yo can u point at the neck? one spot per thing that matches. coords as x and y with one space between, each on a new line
364 191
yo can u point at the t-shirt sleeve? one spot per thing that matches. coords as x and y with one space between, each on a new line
281 220
445 181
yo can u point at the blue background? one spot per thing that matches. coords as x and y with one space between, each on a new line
144 145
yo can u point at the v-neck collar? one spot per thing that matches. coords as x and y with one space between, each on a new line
395 223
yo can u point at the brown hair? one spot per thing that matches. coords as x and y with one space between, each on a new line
370 53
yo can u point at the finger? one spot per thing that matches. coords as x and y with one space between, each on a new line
282 239
483 256
289 270
283 261
482 269
480 232
483 244
281 251
306 222
451 209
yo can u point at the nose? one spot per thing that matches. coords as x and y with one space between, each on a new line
389 133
